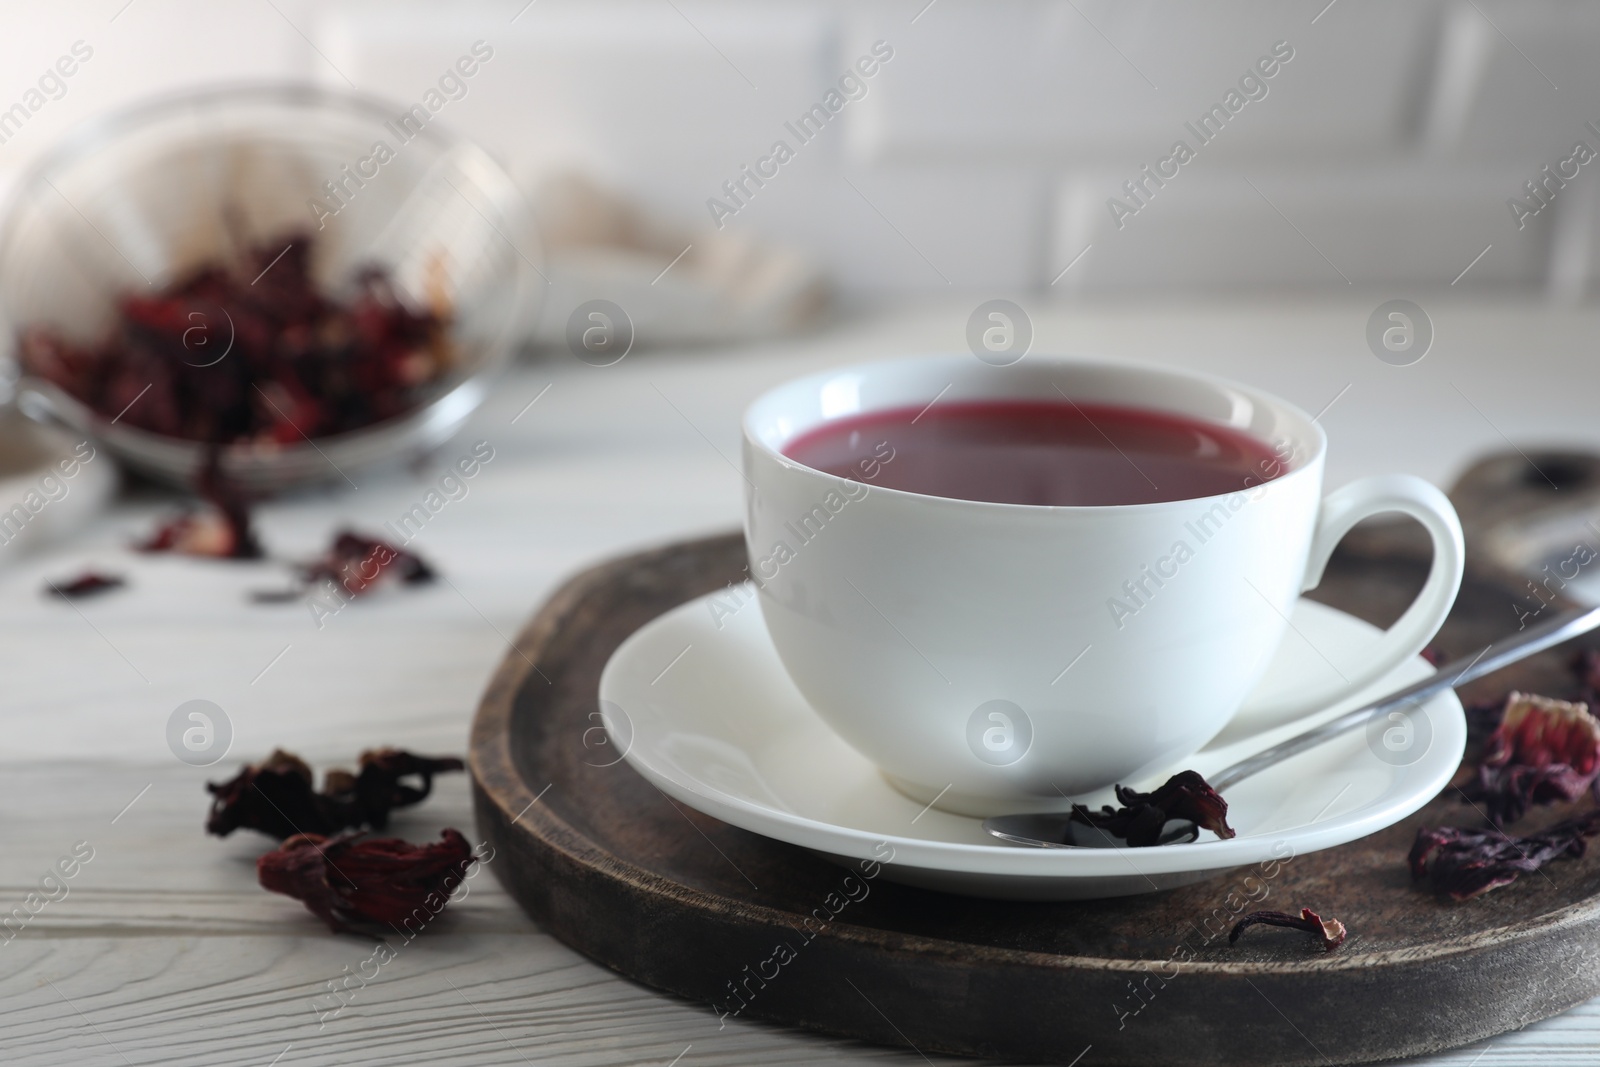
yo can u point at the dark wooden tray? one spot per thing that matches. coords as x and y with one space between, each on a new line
608 864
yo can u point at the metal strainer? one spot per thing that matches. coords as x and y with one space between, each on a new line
130 202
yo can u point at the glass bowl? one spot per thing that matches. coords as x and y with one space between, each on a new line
134 201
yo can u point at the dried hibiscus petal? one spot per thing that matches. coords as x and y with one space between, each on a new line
220 531
277 798
1537 730
351 879
211 533
380 787
254 352
1461 864
89 583
1330 932
354 564
357 563
1543 752
1186 795
1586 665
1483 718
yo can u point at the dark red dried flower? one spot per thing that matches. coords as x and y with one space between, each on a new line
1586 666
89 583
380 786
209 533
1538 731
253 352
1543 752
1483 718
1330 932
357 563
276 797
222 531
1462 864
351 880
1186 795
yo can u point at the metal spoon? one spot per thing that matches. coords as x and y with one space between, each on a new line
1057 830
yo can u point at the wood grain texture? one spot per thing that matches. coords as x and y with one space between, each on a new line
613 867
165 951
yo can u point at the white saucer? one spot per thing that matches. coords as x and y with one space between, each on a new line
708 715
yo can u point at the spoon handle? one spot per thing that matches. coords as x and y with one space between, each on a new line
1489 659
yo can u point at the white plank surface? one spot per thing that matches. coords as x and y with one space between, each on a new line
165 951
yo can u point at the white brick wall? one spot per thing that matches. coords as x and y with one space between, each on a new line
1336 227
981 157
1049 81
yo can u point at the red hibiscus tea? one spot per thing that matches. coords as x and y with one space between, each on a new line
1041 452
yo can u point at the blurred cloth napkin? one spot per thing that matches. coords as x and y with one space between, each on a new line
676 285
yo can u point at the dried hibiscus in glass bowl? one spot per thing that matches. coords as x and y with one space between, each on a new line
253 353
279 281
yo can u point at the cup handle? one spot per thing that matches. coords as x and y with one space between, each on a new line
1341 510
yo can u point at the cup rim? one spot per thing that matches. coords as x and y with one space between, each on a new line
1309 467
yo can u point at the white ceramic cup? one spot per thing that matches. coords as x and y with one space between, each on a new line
977 652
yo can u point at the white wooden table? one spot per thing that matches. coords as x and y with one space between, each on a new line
166 951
